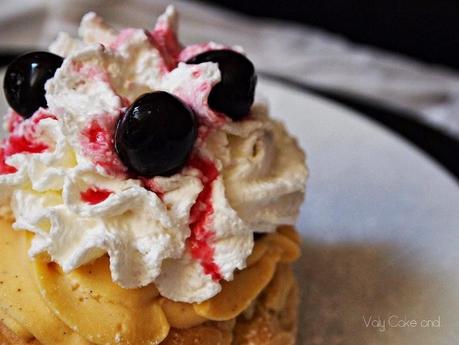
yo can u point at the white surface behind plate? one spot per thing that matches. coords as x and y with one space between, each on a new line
381 231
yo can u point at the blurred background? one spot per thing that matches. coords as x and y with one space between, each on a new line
403 53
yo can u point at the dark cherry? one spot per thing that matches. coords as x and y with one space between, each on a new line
234 94
156 134
25 79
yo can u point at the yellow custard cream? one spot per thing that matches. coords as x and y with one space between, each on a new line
39 301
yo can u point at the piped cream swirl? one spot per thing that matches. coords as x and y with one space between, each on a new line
145 225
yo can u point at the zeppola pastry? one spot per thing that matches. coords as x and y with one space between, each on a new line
144 197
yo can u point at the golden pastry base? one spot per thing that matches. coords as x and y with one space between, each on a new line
41 305
263 328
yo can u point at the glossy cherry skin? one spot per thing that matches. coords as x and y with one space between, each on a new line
25 79
234 94
156 135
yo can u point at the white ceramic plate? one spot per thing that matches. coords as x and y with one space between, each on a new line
380 228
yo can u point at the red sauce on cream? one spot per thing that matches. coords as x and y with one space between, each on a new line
13 120
94 195
5 168
151 185
22 139
164 38
201 238
98 144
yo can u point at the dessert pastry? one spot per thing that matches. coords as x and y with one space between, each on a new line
145 198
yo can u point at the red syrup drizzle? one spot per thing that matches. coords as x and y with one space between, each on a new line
22 139
164 38
94 195
5 168
151 185
13 120
201 238
122 37
98 145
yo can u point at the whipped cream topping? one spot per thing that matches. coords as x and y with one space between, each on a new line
186 232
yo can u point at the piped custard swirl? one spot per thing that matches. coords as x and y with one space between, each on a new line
40 302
